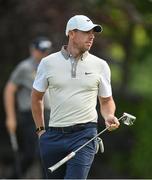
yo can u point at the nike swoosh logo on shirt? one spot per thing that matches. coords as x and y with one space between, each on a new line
87 73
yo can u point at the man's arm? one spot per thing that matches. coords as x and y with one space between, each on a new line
37 109
107 109
9 105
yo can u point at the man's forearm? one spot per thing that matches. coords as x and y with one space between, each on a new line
9 103
9 100
107 107
37 109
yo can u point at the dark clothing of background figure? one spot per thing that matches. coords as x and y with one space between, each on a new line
23 76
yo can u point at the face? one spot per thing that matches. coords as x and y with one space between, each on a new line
82 40
38 55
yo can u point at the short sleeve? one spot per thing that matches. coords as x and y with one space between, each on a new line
40 82
17 75
105 89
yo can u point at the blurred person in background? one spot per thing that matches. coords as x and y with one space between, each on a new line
17 102
75 78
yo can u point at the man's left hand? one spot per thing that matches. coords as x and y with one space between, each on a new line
112 122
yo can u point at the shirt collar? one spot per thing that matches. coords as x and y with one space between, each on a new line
67 55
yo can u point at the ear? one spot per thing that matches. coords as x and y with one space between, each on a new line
71 34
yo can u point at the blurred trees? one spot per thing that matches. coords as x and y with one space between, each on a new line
126 45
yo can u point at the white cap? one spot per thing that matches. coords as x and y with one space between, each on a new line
82 23
42 44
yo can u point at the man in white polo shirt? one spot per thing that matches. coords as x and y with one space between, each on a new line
75 78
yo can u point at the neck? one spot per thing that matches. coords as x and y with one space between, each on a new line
75 52
36 58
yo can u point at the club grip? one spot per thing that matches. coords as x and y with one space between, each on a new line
13 140
62 161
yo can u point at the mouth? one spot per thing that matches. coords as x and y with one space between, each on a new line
89 43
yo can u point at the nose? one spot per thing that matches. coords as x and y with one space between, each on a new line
92 36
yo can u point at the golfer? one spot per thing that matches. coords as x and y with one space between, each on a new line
75 78
17 100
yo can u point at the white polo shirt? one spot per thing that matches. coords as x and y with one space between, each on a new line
73 86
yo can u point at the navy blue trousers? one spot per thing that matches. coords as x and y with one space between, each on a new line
55 145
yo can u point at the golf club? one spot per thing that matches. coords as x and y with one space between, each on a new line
126 118
14 144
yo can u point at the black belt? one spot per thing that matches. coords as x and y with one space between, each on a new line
74 128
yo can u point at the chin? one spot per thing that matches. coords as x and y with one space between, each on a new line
87 49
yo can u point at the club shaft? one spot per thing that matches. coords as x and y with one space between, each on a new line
72 154
95 137
14 144
90 140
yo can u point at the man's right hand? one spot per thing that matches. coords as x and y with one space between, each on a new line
40 133
11 125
